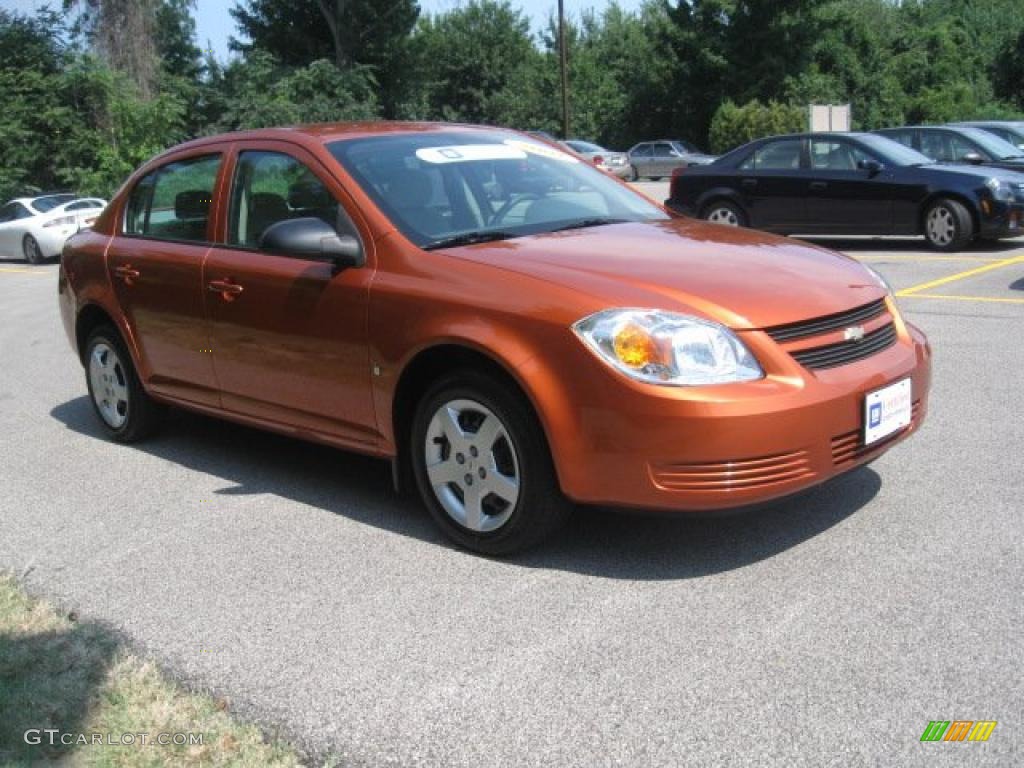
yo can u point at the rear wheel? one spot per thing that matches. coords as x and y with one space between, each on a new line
948 225
724 212
33 253
125 411
483 467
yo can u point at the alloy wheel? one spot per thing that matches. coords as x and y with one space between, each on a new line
472 465
109 385
941 226
725 216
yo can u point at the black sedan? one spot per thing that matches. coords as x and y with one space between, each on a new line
958 144
851 184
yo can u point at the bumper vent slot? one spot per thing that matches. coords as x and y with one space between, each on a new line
726 476
832 355
847 448
828 323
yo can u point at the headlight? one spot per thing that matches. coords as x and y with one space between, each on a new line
880 279
666 348
1000 189
63 221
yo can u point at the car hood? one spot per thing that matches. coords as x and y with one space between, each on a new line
741 278
981 172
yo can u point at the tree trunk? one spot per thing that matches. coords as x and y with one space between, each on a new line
333 14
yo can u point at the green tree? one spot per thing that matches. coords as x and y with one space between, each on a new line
1009 72
369 33
735 125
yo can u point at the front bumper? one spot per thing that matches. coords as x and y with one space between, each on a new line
1001 219
734 445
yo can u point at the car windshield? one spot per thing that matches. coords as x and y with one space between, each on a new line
893 153
585 146
998 148
48 203
454 188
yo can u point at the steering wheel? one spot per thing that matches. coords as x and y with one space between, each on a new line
499 215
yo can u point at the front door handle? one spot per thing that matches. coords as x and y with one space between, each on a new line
819 186
228 290
749 183
127 273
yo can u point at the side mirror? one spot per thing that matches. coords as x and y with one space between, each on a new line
871 166
313 239
973 158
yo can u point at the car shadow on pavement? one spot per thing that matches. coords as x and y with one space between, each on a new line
598 541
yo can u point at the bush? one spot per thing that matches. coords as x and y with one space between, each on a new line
732 126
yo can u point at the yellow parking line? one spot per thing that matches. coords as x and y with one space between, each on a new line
960 276
16 270
995 299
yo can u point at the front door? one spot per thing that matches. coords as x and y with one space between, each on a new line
772 185
156 269
289 335
843 195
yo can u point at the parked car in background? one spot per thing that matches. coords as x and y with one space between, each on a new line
35 228
358 285
657 159
1011 131
851 184
605 159
958 144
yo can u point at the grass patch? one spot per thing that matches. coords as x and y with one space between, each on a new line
77 678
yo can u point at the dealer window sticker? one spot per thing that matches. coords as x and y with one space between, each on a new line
543 150
463 153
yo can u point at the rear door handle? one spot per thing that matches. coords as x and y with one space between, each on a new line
227 289
127 273
819 186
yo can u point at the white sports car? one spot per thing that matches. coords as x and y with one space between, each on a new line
35 228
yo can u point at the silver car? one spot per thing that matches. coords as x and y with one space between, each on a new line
657 159
605 159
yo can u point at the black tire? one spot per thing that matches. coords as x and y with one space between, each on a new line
540 508
33 253
140 414
948 225
633 175
725 213
656 178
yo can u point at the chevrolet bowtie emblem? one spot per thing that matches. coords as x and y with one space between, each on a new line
854 333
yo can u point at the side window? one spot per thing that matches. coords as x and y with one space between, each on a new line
903 137
81 205
270 187
663 150
827 155
7 213
173 202
775 156
935 146
959 146
21 212
644 150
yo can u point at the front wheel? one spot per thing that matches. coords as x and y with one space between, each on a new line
948 226
33 253
483 467
634 175
723 212
125 411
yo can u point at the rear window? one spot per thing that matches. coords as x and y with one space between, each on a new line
775 156
173 202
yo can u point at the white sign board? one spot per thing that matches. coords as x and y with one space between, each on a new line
830 117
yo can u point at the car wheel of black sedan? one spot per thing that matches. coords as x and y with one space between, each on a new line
724 212
948 225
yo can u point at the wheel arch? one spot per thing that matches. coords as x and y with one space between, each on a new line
90 317
720 194
424 368
964 200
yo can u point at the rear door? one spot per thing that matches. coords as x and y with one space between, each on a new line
773 186
665 159
289 335
843 197
155 263
641 158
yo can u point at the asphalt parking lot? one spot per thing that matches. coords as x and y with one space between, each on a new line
827 631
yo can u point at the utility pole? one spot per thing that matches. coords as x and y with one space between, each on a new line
564 60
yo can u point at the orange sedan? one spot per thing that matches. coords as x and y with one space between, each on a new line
515 330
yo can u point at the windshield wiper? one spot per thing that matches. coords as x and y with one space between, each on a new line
469 238
597 221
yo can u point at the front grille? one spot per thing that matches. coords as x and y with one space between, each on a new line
820 325
847 448
843 352
726 476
